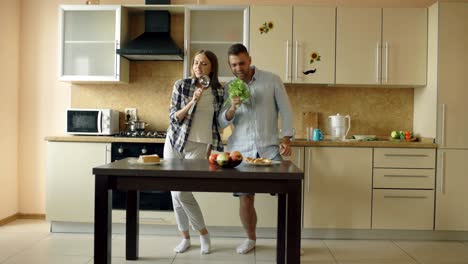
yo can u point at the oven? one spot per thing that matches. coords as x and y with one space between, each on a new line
149 200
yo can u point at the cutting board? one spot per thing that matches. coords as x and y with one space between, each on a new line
309 119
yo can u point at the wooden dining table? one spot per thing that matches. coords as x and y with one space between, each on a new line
283 179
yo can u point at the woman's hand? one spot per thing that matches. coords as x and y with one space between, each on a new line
197 95
285 147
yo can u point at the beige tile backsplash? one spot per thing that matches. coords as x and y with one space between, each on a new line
373 110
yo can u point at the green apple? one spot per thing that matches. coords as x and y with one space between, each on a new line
395 134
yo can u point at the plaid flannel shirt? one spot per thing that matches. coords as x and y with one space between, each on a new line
179 131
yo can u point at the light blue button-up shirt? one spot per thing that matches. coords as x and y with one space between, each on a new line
255 124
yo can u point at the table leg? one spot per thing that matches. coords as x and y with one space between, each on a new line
293 224
132 225
102 220
281 229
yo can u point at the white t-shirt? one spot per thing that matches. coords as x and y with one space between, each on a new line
202 122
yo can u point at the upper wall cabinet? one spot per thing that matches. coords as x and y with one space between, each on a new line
88 38
381 46
297 43
232 26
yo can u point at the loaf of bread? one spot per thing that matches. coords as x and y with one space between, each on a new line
149 158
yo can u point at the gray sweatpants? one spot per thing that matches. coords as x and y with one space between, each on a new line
186 208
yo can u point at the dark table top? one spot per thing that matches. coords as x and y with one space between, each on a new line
201 168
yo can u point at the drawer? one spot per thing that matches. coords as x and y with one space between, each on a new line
404 158
404 178
403 209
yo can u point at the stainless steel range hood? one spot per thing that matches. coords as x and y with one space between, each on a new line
156 43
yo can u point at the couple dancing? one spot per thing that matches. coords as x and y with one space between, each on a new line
197 114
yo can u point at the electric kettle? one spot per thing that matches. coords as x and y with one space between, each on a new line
338 130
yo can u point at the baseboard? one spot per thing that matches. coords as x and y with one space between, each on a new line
309 233
31 216
9 219
16 216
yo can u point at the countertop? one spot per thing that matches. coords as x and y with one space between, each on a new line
383 142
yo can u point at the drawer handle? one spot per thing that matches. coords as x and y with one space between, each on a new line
406 155
405 196
407 176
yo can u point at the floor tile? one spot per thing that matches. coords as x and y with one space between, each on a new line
26 226
367 250
315 251
153 247
47 259
222 249
213 261
12 243
60 244
436 252
141 260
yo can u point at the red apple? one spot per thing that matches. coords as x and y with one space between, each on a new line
212 158
235 158
223 159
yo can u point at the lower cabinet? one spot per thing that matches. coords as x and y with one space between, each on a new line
403 209
403 189
337 187
70 180
451 192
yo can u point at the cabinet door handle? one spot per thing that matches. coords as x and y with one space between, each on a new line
287 60
296 58
308 170
377 63
406 155
406 176
405 196
444 110
116 60
386 62
442 172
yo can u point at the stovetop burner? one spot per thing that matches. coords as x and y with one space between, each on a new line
142 134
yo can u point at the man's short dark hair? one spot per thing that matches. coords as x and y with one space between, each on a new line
237 49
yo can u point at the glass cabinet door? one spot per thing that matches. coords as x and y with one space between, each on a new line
89 37
231 27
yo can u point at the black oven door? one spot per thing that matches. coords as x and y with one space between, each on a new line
149 200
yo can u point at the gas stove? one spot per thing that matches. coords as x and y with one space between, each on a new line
142 134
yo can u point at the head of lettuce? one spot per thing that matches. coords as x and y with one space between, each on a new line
238 88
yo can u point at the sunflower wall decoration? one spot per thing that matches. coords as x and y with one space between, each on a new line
314 57
267 26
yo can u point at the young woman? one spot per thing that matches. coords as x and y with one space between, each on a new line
193 132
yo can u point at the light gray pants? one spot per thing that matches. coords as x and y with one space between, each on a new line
186 208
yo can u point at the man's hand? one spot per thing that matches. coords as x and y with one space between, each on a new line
285 147
235 102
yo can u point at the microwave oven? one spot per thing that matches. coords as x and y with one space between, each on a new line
92 121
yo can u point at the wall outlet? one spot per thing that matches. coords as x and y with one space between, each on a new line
131 114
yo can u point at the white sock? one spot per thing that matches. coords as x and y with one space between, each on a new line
205 244
246 246
183 245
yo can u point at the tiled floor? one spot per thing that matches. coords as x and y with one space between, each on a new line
29 242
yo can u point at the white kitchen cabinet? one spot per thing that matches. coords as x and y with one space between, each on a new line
88 38
70 180
403 188
283 39
232 26
451 195
378 46
452 127
338 187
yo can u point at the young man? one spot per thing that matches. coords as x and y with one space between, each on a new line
255 126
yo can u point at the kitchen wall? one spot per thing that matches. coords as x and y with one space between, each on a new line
9 86
42 100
